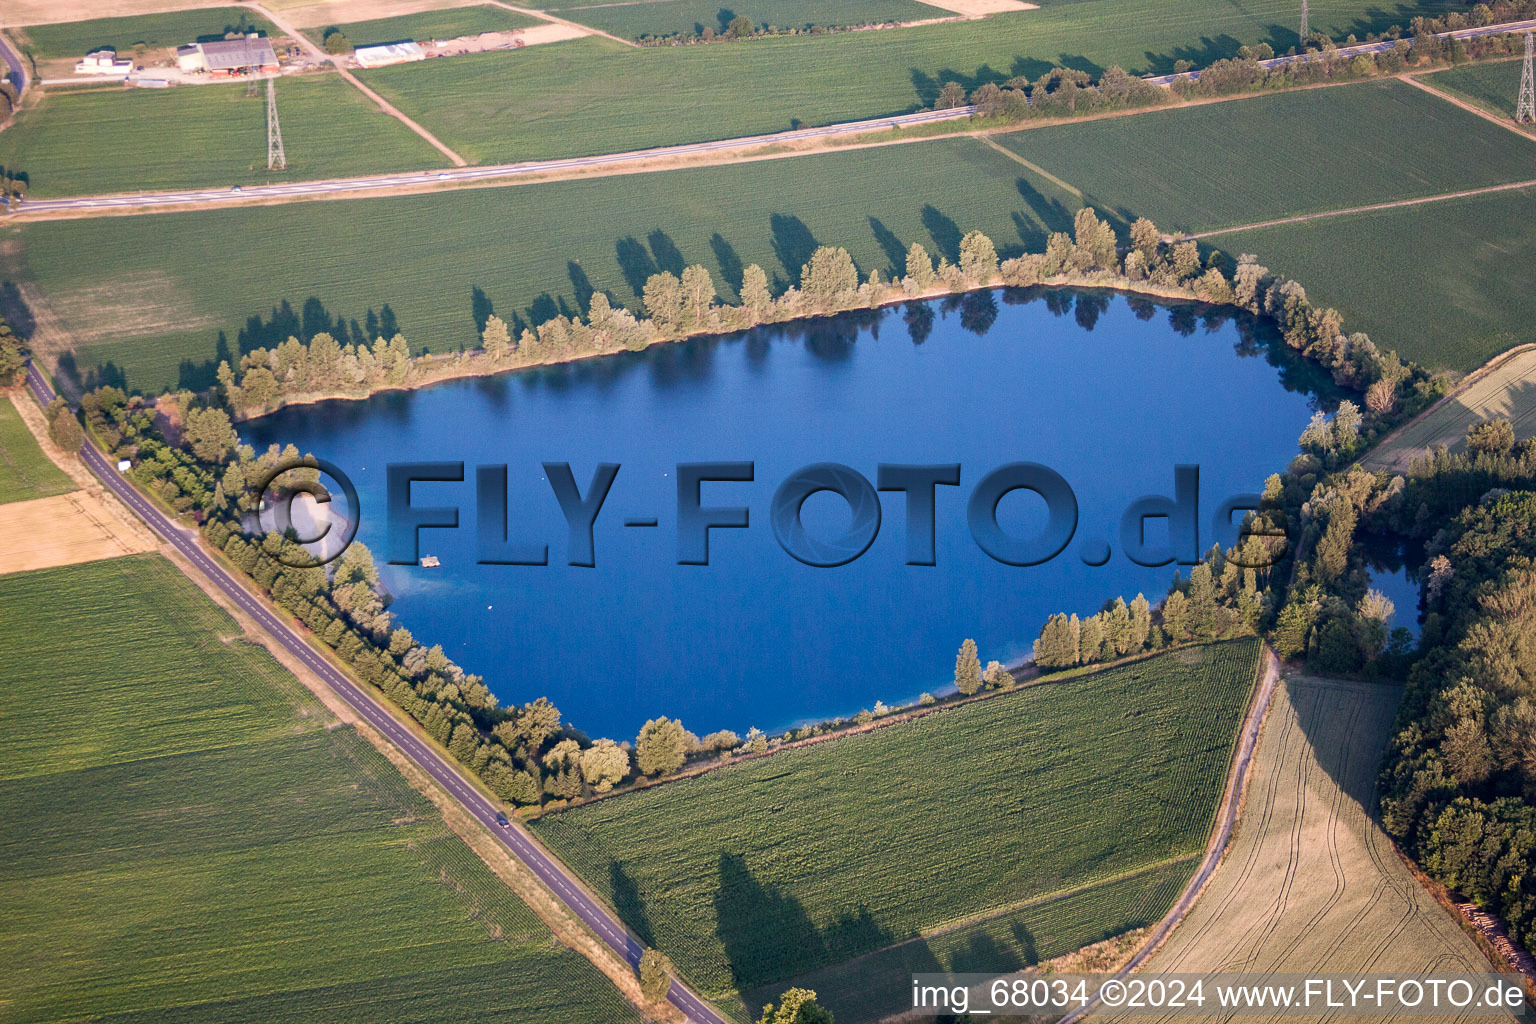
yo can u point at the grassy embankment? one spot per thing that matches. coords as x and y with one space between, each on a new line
539 102
115 140
190 837
25 472
1311 884
1062 813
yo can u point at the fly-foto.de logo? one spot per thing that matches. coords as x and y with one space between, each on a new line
1155 530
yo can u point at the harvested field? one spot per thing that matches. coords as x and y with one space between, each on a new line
772 868
63 530
441 24
1311 884
1508 390
25 471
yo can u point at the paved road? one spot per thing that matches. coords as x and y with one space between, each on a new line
1381 47
16 62
213 196
1250 739
514 837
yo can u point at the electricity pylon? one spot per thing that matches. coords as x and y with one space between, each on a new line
276 160
1525 110
1305 30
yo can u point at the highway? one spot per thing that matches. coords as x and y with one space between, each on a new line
514 837
490 172
1379 47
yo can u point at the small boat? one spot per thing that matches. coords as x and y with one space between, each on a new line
430 562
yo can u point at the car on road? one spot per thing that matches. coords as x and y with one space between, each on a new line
236 188
501 819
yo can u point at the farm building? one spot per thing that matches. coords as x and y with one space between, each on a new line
389 53
243 56
104 63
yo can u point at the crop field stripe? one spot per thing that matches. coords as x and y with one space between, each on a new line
191 838
771 869
666 17
1438 289
1492 86
25 472
1210 167
449 23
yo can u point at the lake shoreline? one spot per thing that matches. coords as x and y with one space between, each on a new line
473 363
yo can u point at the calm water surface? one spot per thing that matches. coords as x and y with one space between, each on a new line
1109 392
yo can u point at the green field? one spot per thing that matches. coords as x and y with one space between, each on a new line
1491 86
25 472
448 24
120 140
875 986
1445 284
74 39
136 294
771 868
187 840
1224 164
540 102
673 17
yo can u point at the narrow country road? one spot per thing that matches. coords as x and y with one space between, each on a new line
1263 690
514 837
15 62
488 172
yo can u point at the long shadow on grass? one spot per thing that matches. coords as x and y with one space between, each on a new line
768 935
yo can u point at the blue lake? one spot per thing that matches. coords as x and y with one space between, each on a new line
1111 393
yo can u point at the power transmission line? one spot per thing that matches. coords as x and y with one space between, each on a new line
1525 110
1305 31
276 160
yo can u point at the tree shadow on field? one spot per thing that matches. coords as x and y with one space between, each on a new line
480 308
793 244
946 233
628 902
768 936
668 256
635 263
74 384
728 261
582 285
928 85
1209 50
891 245
13 306
194 376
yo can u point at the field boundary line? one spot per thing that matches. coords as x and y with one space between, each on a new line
587 30
1471 108
335 61
1511 186
1047 175
1267 680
